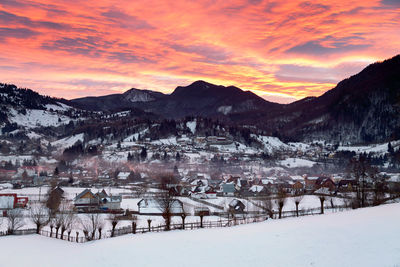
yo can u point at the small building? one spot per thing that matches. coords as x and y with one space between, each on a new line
228 189
236 206
123 175
297 186
107 202
86 201
12 201
325 182
258 190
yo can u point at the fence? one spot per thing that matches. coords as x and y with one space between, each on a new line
68 236
188 226
79 238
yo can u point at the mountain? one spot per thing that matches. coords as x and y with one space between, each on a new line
127 100
361 109
197 99
364 108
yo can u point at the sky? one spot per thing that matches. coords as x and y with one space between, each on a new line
280 50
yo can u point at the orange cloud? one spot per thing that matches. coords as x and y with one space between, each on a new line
282 50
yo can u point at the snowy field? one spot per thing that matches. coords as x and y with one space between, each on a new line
364 237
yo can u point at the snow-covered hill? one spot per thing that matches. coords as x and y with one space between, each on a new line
363 237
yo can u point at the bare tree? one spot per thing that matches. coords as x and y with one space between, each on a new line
91 224
379 187
322 199
298 197
361 170
201 213
266 205
134 224
140 191
166 200
281 200
15 220
40 216
53 198
66 217
113 218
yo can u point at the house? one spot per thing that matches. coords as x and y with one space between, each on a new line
123 175
347 185
12 201
325 182
258 190
58 192
86 201
6 174
148 206
228 189
297 186
110 203
236 206
310 182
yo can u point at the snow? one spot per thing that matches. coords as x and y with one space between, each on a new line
68 141
165 141
225 109
33 135
59 107
376 148
296 163
136 95
35 118
363 237
192 126
271 143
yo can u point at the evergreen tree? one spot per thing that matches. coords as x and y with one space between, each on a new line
143 153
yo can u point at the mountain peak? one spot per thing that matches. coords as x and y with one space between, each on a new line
141 95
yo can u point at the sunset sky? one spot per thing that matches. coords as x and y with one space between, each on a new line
281 50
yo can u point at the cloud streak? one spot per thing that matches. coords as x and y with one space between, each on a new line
278 49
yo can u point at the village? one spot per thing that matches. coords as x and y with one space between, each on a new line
139 202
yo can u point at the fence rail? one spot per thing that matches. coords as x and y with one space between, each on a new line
245 219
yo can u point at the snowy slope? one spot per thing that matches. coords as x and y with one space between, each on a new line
376 148
68 141
36 118
364 237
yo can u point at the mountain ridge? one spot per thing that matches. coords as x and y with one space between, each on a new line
361 108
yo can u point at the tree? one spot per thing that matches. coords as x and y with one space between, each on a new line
322 200
15 220
266 205
281 200
201 213
54 198
56 172
91 223
113 218
166 199
25 176
390 148
40 216
143 154
66 217
358 169
297 199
